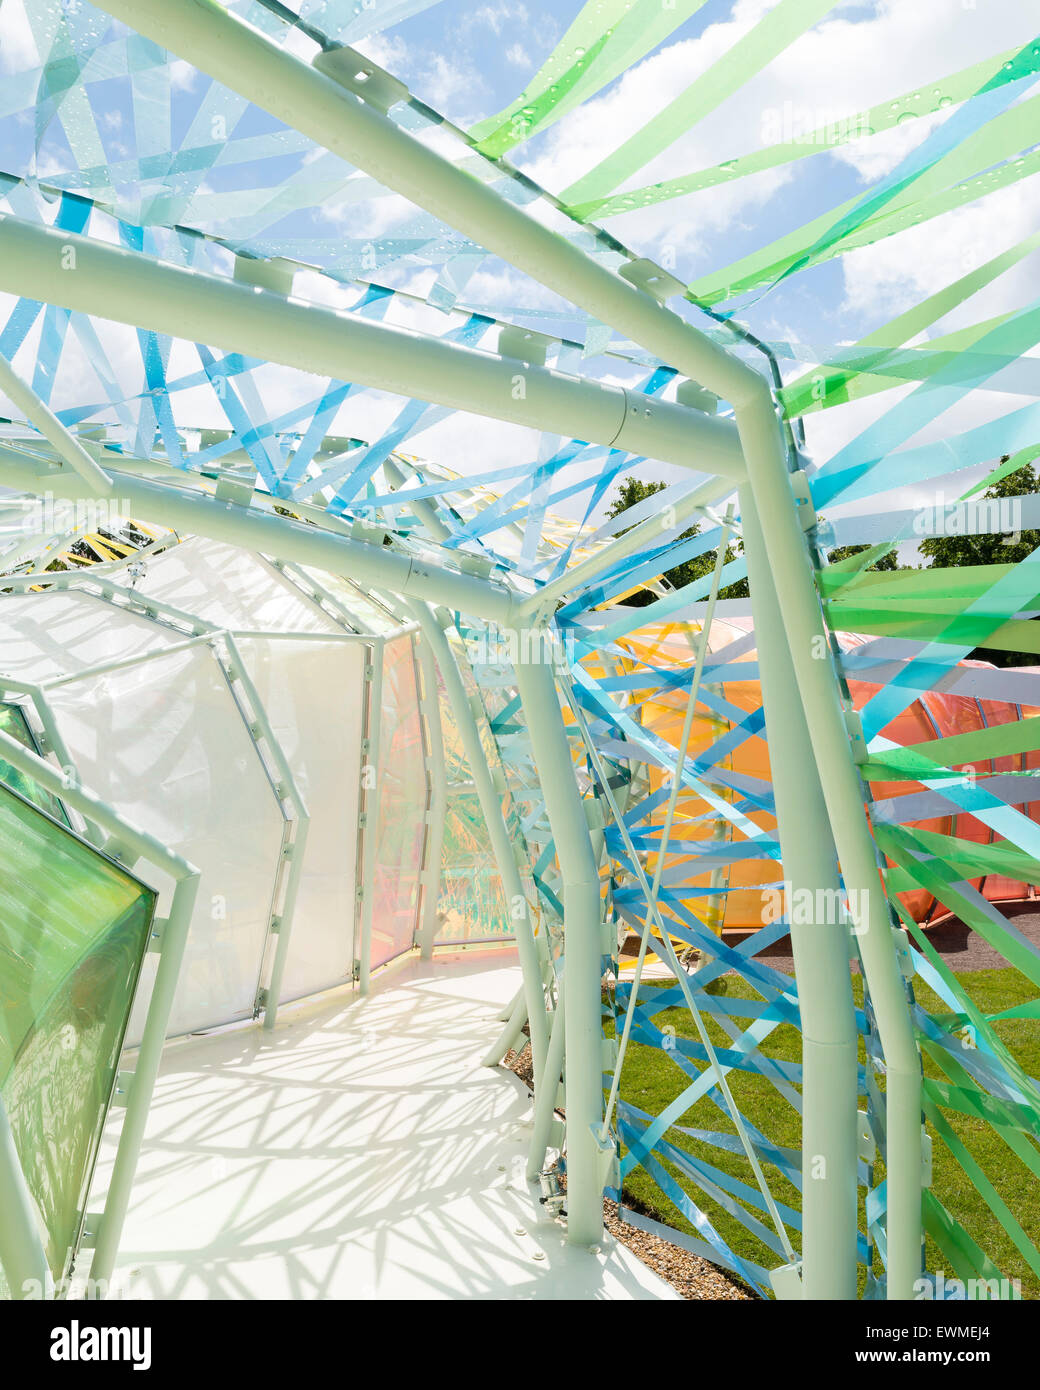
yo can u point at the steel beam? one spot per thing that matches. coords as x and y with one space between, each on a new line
130 287
821 951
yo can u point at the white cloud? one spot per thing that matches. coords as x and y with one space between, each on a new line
18 49
888 277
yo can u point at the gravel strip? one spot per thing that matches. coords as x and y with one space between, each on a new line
688 1274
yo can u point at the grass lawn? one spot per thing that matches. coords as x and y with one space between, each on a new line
651 1080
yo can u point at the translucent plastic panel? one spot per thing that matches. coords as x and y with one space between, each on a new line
165 744
472 903
400 823
73 930
13 723
231 588
313 692
47 635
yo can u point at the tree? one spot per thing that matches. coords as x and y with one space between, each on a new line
887 562
992 548
1008 547
632 490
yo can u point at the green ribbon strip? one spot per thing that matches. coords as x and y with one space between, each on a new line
886 115
997 741
938 876
953 181
968 1260
727 75
604 40
982 1185
814 388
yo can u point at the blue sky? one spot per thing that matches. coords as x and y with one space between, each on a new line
469 60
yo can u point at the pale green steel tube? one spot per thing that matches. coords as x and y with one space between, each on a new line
22 1256
373 733
501 846
149 1056
582 942
121 663
546 1095
510 1038
421 506
505 1014
252 528
427 514
292 793
438 802
130 287
821 951
67 446
218 43
843 793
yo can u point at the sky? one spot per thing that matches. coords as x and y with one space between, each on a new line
469 61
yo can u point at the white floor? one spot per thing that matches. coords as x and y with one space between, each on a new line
358 1152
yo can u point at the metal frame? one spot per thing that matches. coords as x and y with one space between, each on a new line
247 702
169 937
800 687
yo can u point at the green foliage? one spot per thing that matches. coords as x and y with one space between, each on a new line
887 562
651 1081
945 551
632 490
991 549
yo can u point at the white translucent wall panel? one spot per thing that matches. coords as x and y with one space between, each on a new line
231 588
45 635
164 743
400 821
472 904
313 692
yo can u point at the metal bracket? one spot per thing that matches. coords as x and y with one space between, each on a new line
524 345
647 276
234 490
155 940
854 726
803 499
367 80
367 532
787 1283
696 397
121 1090
91 1227
274 274
607 1156
479 565
867 1148
115 849
903 951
